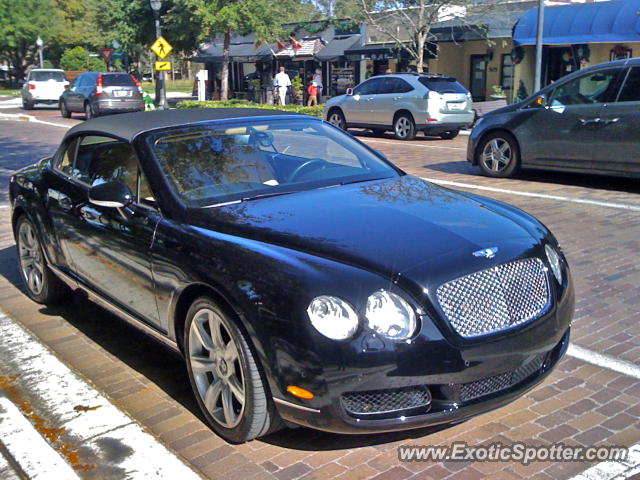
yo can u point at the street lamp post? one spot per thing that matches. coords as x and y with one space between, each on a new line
161 93
537 81
40 44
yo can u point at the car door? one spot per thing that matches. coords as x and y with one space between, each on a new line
357 107
566 131
621 124
385 103
109 248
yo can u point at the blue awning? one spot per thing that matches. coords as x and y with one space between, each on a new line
600 22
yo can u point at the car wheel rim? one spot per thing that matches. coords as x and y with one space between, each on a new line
215 363
497 155
336 119
31 261
403 126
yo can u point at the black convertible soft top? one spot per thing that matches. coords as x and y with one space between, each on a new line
127 126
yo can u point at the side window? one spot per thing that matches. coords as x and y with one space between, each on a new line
369 87
103 159
398 85
79 81
65 163
593 88
631 89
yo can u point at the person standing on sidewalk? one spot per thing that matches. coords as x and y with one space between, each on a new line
313 94
282 84
317 79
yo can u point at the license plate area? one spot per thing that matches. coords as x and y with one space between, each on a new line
121 93
455 105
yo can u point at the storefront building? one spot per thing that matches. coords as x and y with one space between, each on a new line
574 37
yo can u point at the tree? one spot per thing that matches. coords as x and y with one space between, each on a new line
20 25
408 24
262 17
78 59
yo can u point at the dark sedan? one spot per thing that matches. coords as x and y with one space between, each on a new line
304 277
585 122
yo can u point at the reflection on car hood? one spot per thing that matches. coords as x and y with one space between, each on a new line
388 226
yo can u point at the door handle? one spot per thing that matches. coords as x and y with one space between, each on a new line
397 98
587 122
609 121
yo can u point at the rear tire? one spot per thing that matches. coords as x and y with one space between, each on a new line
88 111
336 118
450 135
64 110
498 155
224 375
404 127
40 282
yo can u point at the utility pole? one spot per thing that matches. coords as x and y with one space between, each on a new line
161 93
537 81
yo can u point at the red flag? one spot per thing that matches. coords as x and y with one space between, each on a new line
281 45
296 45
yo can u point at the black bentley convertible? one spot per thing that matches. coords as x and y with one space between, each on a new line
304 278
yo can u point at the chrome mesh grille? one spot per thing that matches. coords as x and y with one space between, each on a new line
487 386
381 401
496 298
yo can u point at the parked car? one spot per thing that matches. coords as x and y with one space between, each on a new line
43 85
404 103
585 122
95 94
302 275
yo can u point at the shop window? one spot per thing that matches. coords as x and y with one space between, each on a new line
506 72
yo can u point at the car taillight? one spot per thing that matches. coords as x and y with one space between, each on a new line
32 86
137 83
99 86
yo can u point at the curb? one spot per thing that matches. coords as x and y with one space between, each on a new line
17 116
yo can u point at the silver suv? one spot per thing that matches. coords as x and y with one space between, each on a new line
43 85
405 103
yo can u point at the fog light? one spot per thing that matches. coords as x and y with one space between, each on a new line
300 392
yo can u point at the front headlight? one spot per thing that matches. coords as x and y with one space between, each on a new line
554 262
333 317
390 315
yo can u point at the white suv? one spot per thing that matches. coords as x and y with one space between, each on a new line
43 85
404 103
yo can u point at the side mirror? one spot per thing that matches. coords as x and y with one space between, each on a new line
349 92
67 87
540 101
111 194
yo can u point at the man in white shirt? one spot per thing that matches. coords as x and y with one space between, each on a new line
282 82
317 77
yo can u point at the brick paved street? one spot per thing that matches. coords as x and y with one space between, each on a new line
579 404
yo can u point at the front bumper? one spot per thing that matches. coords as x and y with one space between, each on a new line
446 406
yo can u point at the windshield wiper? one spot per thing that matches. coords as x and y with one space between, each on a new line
267 195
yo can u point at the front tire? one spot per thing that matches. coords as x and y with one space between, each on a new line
64 110
499 155
40 282
224 375
404 127
336 118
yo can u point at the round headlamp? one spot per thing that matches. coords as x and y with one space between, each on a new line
554 262
390 315
333 317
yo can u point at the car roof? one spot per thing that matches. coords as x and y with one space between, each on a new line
127 126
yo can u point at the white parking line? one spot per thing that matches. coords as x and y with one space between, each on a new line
50 124
605 361
614 470
407 144
585 201
36 458
68 402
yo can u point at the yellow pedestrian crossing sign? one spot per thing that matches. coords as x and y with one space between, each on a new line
161 47
162 66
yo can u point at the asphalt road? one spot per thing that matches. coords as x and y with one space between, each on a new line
586 401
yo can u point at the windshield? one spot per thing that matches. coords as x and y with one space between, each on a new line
212 163
443 85
46 76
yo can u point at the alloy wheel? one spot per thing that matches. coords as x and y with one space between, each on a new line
497 154
403 128
336 119
31 260
215 363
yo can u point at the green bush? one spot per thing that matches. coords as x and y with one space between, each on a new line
78 59
315 111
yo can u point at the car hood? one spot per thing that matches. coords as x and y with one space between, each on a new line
392 226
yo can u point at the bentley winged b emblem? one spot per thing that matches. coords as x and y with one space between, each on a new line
486 252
